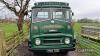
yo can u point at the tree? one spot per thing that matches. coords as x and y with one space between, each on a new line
88 20
22 5
85 20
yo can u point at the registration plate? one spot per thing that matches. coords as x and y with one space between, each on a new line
53 50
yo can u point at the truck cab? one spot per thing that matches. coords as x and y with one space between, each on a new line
51 27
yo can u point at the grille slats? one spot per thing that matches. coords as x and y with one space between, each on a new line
52 41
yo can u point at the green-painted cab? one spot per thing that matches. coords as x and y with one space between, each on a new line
51 27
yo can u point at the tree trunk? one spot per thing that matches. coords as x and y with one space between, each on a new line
20 22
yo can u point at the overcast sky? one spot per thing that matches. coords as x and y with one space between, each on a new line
81 8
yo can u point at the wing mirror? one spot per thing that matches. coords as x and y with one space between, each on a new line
30 16
72 14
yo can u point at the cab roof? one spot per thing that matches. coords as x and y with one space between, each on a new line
51 5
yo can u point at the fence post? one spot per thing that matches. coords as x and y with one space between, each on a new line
2 44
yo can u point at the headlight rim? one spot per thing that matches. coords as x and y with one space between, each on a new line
65 41
36 42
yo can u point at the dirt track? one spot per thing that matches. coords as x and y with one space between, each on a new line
22 50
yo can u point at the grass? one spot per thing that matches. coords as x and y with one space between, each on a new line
9 28
89 44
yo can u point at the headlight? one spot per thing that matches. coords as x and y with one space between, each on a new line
67 40
37 41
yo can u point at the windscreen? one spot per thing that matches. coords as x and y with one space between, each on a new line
40 14
60 14
50 13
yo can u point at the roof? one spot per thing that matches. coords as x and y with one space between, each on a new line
51 5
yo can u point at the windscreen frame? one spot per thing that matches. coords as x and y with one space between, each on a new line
50 10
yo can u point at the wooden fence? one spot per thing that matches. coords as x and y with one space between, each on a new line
92 32
8 46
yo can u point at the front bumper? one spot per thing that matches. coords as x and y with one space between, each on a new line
61 48
44 48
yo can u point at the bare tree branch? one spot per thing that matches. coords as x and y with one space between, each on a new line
24 7
7 5
26 4
22 4
17 3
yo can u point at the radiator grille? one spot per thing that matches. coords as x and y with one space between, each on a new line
52 41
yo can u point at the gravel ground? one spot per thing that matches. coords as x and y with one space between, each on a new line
22 50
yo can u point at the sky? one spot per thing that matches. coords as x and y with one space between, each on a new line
81 8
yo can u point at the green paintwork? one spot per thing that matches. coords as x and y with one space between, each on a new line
43 29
